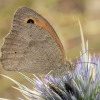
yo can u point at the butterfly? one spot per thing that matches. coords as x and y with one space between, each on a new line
33 46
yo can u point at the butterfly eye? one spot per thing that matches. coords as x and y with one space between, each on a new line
31 21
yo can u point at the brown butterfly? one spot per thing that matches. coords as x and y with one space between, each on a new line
33 46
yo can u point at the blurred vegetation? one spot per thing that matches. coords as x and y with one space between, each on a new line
63 16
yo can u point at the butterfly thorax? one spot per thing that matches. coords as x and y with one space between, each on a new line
64 69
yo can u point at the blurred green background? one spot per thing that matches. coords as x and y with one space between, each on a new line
63 16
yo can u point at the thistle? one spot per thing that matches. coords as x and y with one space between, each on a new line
82 84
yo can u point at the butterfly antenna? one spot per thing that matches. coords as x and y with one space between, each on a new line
87 62
83 54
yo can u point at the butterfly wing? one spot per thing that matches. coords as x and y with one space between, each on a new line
32 44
